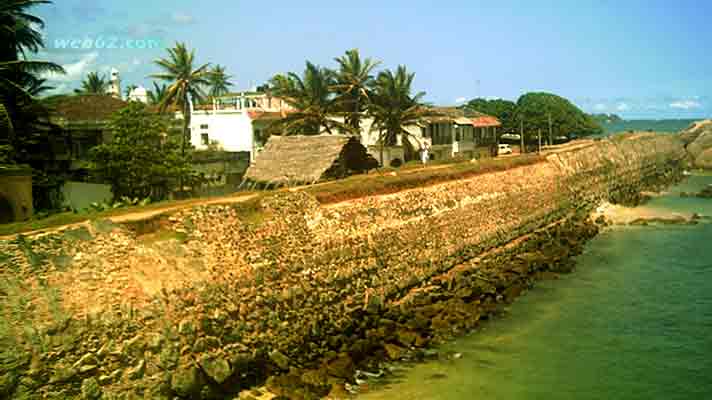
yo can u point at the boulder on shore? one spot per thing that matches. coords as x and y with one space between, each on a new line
698 142
690 134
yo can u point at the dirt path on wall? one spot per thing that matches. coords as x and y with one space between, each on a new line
139 215
229 199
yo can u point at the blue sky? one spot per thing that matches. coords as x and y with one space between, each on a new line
640 59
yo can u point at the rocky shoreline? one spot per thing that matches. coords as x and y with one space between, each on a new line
300 295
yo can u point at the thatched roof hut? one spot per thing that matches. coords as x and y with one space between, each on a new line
291 160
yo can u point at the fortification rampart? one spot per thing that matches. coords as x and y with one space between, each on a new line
304 292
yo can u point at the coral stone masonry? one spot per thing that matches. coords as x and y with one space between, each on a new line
296 295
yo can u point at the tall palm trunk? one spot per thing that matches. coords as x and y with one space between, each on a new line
383 140
356 119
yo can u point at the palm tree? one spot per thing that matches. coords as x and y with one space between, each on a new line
18 87
18 29
158 93
36 86
186 83
353 85
393 107
93 84
20 76
19 34
219 81
26 126
128 90
6 127
311 97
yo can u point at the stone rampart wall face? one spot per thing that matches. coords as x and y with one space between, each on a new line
312 284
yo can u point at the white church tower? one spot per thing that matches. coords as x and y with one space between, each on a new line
115 84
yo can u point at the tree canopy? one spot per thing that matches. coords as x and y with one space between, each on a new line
394 106
312 97
158 93
354 82
219 81
606 118
25 132
186 83
567 120
351 91
142 160
504 110
93 84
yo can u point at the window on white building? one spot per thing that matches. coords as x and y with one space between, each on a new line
204 127
204 139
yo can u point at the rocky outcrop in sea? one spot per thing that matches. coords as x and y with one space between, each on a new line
698 143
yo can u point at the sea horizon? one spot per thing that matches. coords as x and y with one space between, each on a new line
658 125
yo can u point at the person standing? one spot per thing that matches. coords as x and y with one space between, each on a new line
424 154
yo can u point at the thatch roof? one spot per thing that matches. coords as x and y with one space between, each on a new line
288 160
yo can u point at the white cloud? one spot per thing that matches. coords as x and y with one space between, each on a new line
460 100
600 107
59 89
685 104
76 70
182 18
622 107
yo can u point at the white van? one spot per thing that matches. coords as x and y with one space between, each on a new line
504 149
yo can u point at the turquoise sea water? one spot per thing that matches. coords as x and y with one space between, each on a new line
663 125
633 322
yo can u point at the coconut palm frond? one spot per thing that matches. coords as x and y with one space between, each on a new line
219 81
6 126
19 28
94 84
354 82
186 83
394 107
311 96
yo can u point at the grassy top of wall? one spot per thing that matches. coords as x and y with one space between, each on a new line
376 183
381 182
413 176
68 218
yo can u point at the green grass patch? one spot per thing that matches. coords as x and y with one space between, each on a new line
409 176
162 236
379 183
68 218
250 210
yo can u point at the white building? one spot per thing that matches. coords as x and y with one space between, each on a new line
240 123
114 84
138 94
453 134
237 122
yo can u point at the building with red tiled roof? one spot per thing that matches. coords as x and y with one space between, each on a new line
242 122
452 133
